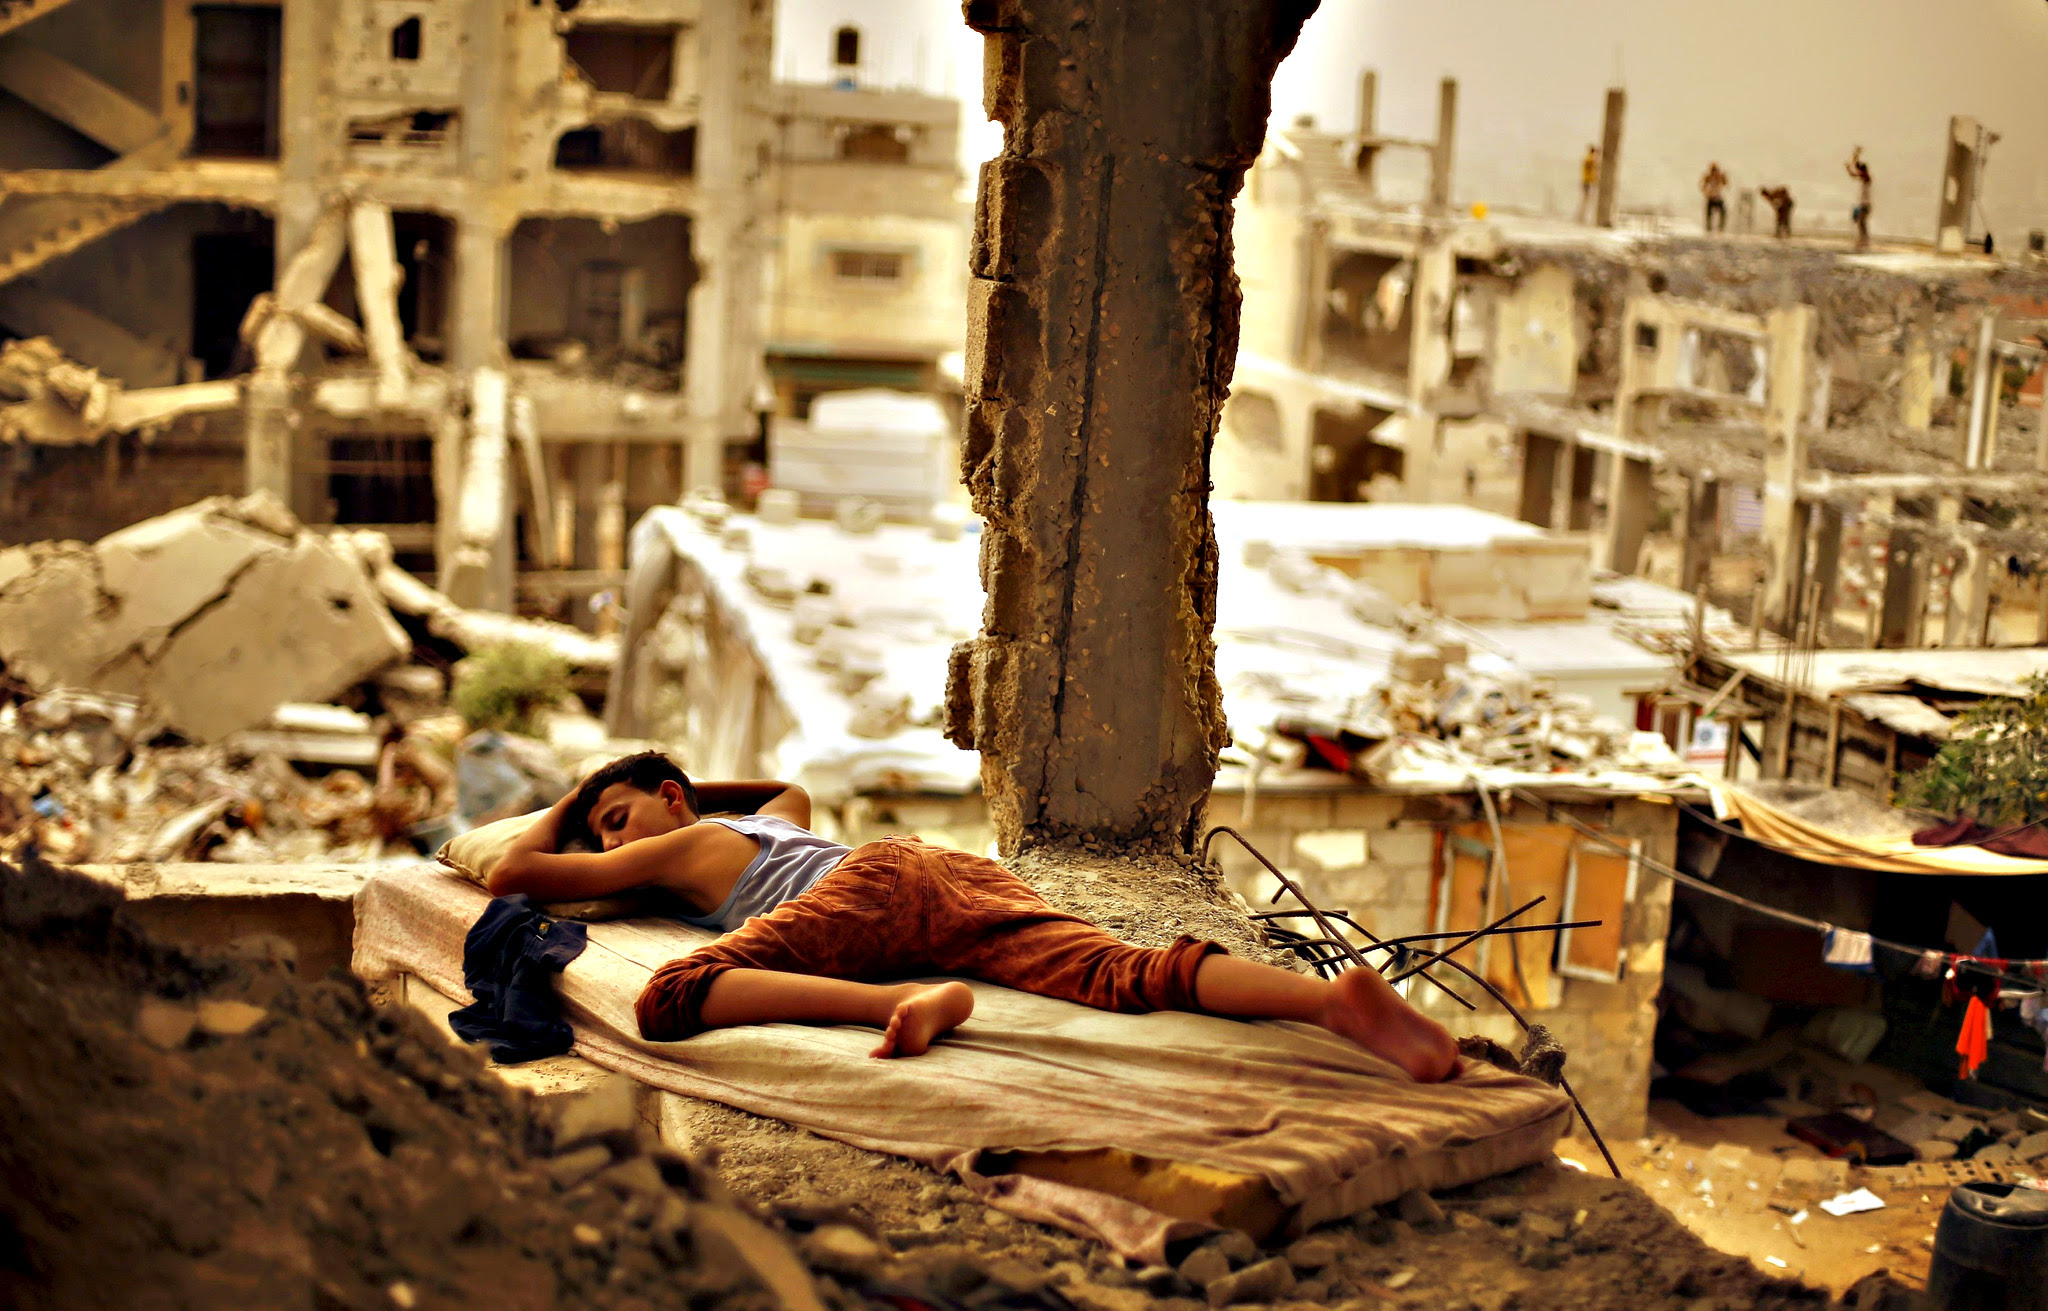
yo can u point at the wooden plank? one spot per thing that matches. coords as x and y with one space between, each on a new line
1600 886
76 98
1537 864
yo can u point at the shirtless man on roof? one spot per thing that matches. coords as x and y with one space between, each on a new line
817 933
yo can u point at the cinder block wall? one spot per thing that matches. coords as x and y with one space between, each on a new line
1377 857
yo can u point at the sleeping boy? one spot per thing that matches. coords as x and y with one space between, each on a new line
817 933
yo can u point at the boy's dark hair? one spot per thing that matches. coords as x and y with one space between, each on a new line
645 770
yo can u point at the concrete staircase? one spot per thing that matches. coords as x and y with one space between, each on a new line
37 229
14 13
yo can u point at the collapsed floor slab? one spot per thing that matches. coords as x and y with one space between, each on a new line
214 615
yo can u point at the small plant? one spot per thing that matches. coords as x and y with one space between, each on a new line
503 687
1994 767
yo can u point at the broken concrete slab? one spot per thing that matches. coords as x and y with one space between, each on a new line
298 625
213 615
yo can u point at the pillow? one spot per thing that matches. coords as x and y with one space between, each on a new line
473 855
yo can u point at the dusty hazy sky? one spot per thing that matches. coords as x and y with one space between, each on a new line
1776 90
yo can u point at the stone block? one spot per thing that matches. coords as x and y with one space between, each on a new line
1934 1149
1266 1281
1331 849
1366 810
2033 1147
1312 1253
215 614
1405 846
1204 1266
1295 813
1812 1177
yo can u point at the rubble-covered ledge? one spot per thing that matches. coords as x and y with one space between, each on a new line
303 913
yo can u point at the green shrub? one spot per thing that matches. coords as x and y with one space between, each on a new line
503 687
1994 767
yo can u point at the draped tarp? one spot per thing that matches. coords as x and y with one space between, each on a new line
1837 827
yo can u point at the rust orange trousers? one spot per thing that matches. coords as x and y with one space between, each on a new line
900 909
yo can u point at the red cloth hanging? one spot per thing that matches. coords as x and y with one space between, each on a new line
1973 1042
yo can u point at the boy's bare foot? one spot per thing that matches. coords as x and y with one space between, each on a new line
922 1016
1364 1008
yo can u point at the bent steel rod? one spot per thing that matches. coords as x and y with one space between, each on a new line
1468 939
1443 957
1322 921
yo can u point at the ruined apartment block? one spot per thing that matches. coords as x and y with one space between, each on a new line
1844 446
484 276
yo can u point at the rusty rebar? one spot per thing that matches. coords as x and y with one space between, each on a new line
1469 939
1322 921
1443 957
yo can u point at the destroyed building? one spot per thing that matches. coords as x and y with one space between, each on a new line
1839 442
870 266
491 283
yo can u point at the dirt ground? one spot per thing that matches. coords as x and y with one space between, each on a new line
1545 1237
192 1133
1735 1182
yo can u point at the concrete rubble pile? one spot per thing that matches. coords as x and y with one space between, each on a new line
1440 708
50 400
169 693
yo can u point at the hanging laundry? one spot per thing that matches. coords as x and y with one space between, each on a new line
1847 949
1974 1042
1929 965
1987 946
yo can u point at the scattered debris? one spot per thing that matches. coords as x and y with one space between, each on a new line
1853 1203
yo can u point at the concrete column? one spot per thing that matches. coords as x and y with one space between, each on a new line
270 427
1440 154
176 101
1702 533
478 571
1429 363
477 297
1102 327
1631 495
722 356
1981 431
1578 510
1902 621
1542 473
1791 349
1610 156
1916 379
1966 621
1824 556
1368 127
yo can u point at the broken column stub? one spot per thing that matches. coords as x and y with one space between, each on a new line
213 615
1102 332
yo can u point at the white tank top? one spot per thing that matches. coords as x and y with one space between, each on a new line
790 860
